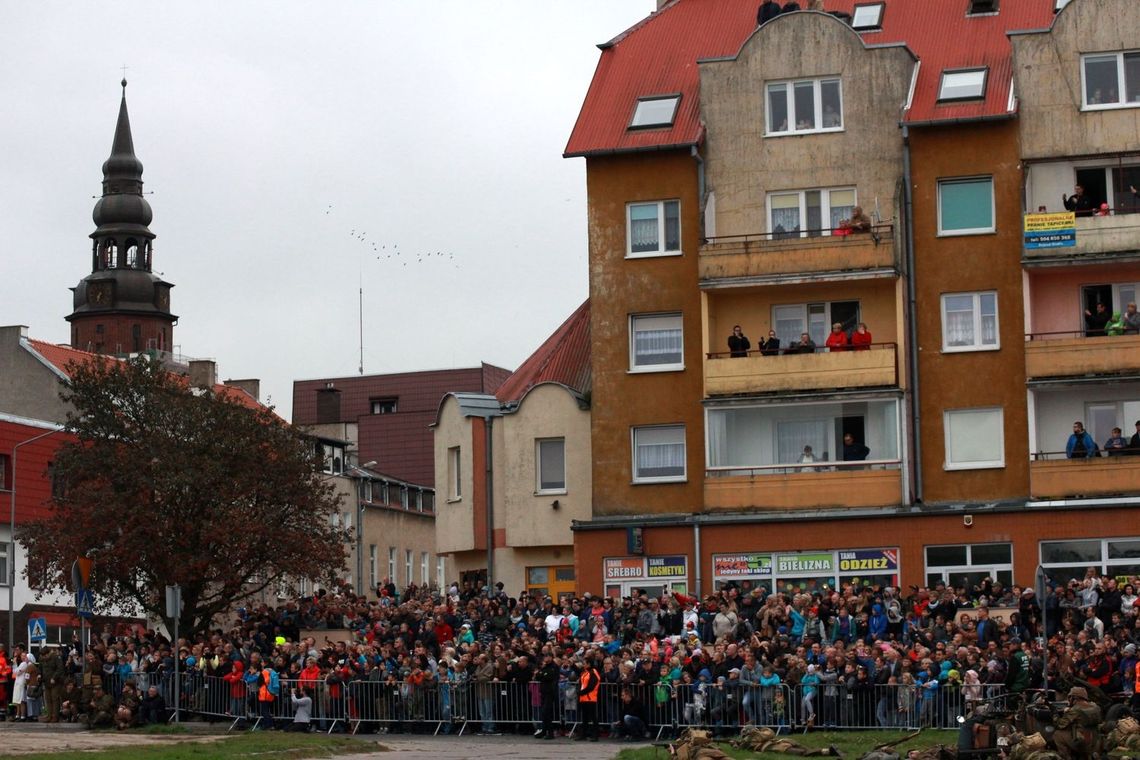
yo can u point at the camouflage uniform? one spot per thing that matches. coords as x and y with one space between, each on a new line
1078 727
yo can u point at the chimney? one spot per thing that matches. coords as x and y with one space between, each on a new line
203 373
251 386
328 404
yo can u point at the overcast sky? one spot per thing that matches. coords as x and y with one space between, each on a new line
270 131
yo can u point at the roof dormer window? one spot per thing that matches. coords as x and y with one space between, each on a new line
979 7
868 17
965 84
655 111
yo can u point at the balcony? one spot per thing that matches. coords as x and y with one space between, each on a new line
761 258
1070 354
1059 478
822 370
835 485
1098 239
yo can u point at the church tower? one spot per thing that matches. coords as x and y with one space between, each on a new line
122 307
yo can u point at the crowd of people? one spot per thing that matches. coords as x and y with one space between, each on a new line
839 339
1081 445
858 656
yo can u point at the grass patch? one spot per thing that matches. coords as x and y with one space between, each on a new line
261 745
853 744
162 729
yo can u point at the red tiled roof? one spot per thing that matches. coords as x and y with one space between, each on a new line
563 358
659 56
61 357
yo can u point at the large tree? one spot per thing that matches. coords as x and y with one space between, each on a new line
167 484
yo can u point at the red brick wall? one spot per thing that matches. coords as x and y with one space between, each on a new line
117 335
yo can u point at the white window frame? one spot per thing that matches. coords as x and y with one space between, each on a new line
454 474
991 464
662 240
682 478
970 567
790 87
1104 565
392 565
538 489
948 77
6 575
372 566
408 567
977 314
646 122
968 230
1121 84
824 208
441 571
424 572
633 321
878 20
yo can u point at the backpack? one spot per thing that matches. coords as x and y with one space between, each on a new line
274 683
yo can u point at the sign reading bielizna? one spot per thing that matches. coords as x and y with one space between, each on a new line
860 566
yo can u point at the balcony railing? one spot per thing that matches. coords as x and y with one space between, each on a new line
875 365
770 255
1096 237
817 485
1076 354
1052 476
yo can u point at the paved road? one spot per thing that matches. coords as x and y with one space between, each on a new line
17 739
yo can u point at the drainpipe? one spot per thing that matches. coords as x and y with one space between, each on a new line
697 556
911 322
490 505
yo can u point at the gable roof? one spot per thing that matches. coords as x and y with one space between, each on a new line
659 55
563 358
59 358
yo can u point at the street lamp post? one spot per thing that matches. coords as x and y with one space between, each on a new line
11 568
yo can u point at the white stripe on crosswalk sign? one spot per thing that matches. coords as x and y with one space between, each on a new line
37 629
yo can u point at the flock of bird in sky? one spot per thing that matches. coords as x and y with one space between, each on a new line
384 252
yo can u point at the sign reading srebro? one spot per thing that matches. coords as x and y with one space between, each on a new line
1050 230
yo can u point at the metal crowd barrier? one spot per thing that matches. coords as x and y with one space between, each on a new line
491 707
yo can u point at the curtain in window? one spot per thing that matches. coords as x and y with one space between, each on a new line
842 203
793 435
785 214
657 346
959 324
643 228
552 468
718 439
660 459
988 304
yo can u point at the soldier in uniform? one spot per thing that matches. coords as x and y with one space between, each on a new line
101 710
1078 727
52 676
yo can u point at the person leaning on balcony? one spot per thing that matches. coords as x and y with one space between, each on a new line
1080 445
805 345
852 451
1095 323
861 338
738 343
1131 320
1078 202
1116 443
770 347
837 340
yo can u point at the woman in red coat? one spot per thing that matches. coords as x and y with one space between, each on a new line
861 338
837 340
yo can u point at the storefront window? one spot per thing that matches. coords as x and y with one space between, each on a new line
1070 560
969 565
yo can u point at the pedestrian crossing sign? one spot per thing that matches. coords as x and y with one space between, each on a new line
84 602
37 630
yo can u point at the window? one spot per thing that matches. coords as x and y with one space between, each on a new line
970 322
424 579
383 405
974 439
333 458
811 105
408 567
4 477
659 454
454 481
1069 560
419 500
404 497
1111 80
365 489
966 206
656 111
654 229
967 84
440 572
429 501
982 6
372 566
5 578
808 213
816 319
868 16
969 564
391 564
550 461
655 343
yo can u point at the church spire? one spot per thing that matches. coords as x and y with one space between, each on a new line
122 170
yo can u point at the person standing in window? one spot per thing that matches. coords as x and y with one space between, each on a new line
1078 202
770 347
852 451
738 343
1095 323
1080 444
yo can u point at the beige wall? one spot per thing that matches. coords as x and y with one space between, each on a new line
453 522
1047 79
742 165
548 411
385 527
28 388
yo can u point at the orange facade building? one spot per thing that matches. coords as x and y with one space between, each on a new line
857 184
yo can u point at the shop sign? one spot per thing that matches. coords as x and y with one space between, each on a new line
624 568
742 565
800 564
674 566
869 561
1058 230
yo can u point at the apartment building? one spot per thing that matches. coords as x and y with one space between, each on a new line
724 162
